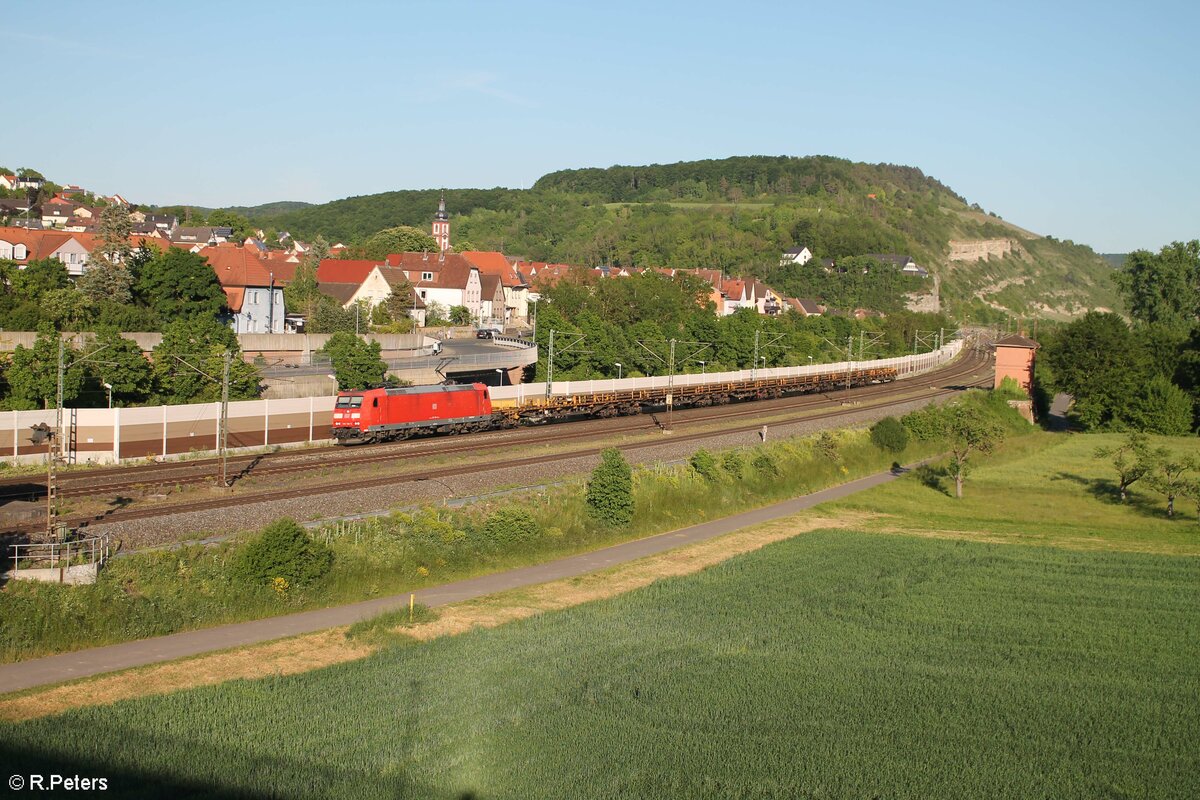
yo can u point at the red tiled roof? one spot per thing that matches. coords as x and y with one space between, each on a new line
42 244
237 266
344 270
489 262
733 289
234 295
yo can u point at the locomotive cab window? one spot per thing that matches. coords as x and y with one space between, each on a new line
348 401
375 403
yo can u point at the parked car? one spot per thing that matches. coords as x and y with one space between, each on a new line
487 333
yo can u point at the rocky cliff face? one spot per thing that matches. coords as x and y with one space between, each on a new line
975 249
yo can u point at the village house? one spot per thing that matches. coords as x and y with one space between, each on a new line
513 286
796 255
380 284
254 294
804 307
904 263
22 246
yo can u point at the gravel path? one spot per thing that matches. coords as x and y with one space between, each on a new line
200 524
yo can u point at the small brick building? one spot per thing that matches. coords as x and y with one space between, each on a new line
1014 359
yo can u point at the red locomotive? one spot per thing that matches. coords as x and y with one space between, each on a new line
380 415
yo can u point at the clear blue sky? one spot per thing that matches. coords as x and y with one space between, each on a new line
1080 120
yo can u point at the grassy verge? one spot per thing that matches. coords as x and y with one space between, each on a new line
830 665
161 592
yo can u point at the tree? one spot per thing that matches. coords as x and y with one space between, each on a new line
33 372
1096 360
302 293
460 315
105 280
968 430
329 317
113 231
65 309
188 363
436 314
1133 460
704 464
119 362
403 239
39 277
356 363
181 284
609 495
1161 407
1163 288
1171 477
889 434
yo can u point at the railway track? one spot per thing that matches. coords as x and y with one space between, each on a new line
949 380
115 481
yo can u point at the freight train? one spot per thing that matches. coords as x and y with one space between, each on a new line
380 415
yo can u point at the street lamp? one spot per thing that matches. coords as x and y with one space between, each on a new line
701 363
617 364
810 361
108 386
500 372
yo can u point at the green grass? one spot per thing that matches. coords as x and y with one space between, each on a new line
831 665
1042 489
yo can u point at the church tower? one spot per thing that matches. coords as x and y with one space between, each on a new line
441 226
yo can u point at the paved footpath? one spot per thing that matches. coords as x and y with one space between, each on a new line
81 664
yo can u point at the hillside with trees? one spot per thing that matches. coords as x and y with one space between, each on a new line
738 214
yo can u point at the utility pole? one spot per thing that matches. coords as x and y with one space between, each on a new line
754 366
223 443
849 362
671 384
58 398
550 365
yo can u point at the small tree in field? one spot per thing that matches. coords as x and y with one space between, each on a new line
889 434
610 491
1172 478
968 431
704 464
1133 460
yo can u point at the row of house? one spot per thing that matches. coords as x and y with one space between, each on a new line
801 255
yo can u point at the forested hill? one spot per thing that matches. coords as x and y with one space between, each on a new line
740 177
738 214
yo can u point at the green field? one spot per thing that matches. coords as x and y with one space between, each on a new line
1042 489
836 664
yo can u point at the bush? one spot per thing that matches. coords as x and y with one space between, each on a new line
283 550
764 463
827 447
610 490
511 527
925 424
889 434
733 464
705 465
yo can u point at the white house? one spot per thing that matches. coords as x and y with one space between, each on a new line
797 255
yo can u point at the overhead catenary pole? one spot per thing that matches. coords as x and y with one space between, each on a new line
671 385
754 366
550 365
223 442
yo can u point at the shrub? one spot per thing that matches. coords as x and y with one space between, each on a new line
827 447
764 463
925 424
511 527
610 490
733 464
889 434
283 550
704 464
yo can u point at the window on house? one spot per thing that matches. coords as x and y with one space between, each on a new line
426 276
422 294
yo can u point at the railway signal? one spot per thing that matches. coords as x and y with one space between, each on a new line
44 434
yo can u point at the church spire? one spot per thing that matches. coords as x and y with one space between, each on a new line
441 225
